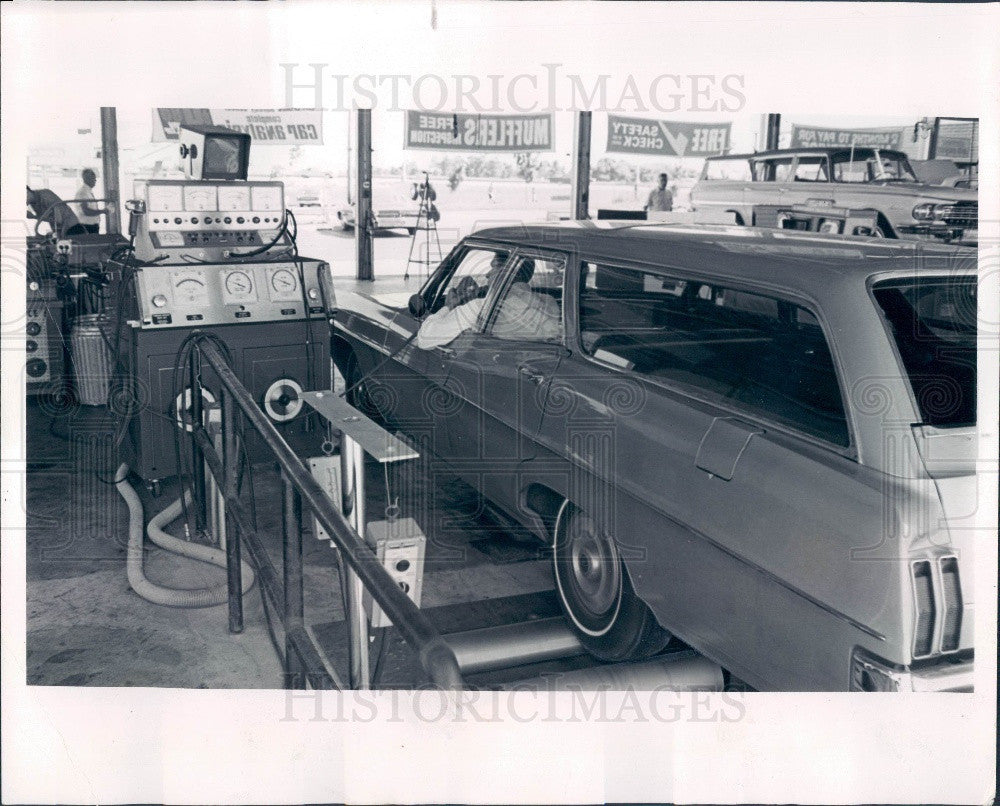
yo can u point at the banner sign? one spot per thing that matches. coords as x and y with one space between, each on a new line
663 138
465 132
281 127
958 141
809 136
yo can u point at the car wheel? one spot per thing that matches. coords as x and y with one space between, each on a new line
596 594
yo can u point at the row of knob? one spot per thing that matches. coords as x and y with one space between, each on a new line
226 220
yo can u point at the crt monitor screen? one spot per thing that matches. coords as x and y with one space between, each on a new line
225 157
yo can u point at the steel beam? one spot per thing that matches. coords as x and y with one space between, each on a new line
581 167
109 167
363 220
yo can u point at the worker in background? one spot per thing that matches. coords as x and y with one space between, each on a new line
661 200
45 205
88 213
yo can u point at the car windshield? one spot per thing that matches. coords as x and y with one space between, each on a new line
871 165
933 322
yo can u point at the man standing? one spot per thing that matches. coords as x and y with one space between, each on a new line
660 199
88 214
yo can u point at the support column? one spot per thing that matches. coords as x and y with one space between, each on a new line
581 167
932 145
363 192
109 167
772 131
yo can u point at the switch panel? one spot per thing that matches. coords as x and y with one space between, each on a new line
399 546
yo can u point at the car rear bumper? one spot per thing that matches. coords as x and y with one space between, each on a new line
948 674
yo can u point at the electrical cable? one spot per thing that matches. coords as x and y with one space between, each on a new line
262 249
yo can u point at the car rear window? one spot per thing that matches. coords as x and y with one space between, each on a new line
933 322
755 352
732 170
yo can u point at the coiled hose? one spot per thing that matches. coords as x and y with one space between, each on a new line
159 594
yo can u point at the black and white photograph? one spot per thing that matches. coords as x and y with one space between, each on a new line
500 402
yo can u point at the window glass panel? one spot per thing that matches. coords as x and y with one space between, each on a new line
811 169
530 307
481 266
933 321
732 170
773 170
752 351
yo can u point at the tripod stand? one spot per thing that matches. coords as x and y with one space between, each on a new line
427 218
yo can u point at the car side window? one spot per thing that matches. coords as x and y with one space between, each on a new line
473 267
530 304
732 170
811 169
751 351
773 170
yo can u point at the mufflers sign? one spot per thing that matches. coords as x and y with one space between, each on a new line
465 132
283 127
664 138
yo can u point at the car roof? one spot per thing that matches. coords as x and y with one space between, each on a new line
787 152
808 262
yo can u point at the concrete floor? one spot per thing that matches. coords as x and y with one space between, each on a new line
87 627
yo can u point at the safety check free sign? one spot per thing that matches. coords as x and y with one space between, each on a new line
664 138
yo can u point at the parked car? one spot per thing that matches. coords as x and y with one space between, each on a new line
759 442
401 216
858 178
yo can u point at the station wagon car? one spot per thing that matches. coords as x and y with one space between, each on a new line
850 178
757 441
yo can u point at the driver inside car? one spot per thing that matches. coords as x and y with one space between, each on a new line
522 313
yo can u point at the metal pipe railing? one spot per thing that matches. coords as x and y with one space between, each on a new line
436 657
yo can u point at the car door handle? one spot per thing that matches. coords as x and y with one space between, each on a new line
535 377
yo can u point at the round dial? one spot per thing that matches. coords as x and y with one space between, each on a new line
189 288
159 300
283 281
239 284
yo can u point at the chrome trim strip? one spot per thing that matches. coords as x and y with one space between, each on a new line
944 604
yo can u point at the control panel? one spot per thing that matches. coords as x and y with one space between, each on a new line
211 294
207 220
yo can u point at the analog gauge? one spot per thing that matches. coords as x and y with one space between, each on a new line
200 197
235 197
164 198
239 286
190 289
283 281
267 197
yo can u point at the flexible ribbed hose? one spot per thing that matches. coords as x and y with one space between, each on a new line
159 594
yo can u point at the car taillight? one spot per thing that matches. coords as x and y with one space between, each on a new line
951 616
923 597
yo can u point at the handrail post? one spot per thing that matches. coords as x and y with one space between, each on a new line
294 615
352 481
230 470
198 460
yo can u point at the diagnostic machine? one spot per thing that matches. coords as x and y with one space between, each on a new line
217 253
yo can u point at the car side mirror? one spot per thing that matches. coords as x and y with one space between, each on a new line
417 306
